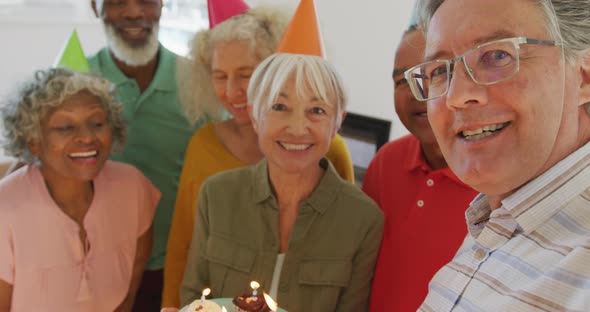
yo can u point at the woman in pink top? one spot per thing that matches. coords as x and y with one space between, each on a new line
75 228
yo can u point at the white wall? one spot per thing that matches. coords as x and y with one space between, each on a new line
32 38
360 39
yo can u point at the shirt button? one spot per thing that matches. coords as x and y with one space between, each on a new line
420 203
430 182
480 254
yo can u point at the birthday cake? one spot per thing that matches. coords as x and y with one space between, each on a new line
204 306
249 303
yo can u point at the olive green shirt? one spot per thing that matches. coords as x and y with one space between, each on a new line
331 254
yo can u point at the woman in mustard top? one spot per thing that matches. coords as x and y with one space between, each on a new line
223 59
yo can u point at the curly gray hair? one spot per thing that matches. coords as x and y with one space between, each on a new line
262 27
23 113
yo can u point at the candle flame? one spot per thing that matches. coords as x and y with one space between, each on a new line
272 305
254 285
206 291
223 309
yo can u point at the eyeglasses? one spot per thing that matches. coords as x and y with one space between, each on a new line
486 64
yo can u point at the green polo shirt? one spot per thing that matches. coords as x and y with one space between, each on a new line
158 134
332 249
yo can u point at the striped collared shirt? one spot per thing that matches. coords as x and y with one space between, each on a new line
531 254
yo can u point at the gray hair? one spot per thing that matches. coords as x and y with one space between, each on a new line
568 21
312 74
23 113
261 27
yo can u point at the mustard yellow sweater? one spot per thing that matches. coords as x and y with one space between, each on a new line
206 156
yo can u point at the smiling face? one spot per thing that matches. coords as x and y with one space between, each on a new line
232 65
131 27
295 132
75 140
411 112
531 110
132 20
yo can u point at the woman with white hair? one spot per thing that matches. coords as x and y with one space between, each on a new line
223 59
75 228
289 222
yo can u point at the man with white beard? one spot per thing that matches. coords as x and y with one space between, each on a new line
144 73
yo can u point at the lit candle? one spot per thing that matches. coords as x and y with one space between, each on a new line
254 286
205 293
272 305
223 309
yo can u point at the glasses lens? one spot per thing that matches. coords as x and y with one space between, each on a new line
493 62
429 80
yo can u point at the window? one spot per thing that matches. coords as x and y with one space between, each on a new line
364 136
180 20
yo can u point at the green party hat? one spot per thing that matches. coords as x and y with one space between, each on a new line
72 56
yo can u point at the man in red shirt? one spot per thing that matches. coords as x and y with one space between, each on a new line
423 201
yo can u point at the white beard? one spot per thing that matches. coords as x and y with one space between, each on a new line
132 56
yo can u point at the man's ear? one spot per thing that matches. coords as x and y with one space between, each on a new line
584 65
94 8
252 120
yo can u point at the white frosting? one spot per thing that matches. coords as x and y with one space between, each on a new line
209 306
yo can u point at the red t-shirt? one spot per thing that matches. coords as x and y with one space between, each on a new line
424 222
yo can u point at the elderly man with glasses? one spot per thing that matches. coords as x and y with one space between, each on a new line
507 85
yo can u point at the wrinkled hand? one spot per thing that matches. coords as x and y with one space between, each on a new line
169 310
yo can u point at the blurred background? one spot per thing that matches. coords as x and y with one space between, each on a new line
360 39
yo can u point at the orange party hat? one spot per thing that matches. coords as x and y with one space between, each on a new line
303 35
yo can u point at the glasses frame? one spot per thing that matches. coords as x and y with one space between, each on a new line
516 41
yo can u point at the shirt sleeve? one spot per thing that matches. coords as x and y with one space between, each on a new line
196 275
6 254
150 196
179 239
356 296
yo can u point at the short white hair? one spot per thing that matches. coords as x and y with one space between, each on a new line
312 75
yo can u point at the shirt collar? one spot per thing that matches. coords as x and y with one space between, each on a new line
478 214
164 78
320 199
540 199
110 69
416 162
